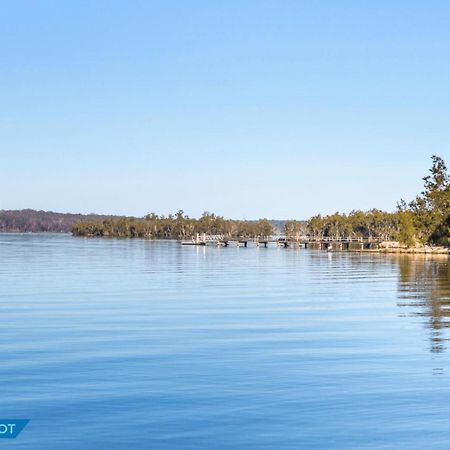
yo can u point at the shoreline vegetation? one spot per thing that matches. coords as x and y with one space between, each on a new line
32 221
420 226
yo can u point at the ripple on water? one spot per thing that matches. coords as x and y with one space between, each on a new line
221 347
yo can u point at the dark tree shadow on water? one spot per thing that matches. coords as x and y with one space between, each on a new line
424 291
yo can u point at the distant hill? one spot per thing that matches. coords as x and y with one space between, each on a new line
30 220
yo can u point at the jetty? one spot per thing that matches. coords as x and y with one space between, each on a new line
306 241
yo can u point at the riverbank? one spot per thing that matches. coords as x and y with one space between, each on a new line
426 250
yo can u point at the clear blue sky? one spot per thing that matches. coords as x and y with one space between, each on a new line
280 109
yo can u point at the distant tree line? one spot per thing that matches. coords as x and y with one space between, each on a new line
425 220
32 221
173 226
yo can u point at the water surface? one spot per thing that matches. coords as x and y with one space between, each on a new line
114 344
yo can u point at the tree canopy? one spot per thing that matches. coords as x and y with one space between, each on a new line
173 226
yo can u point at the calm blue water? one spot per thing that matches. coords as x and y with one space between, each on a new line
114 344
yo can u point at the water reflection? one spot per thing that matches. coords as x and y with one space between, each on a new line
424 291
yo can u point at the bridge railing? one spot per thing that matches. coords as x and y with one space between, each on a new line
331 239
300 239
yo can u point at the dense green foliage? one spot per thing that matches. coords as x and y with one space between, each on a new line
177 226
425 220
431 209
407 232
